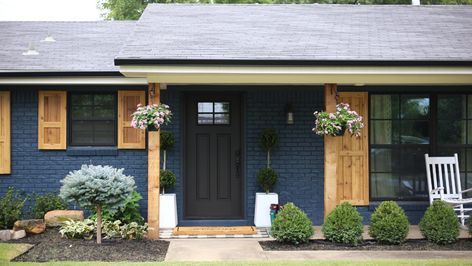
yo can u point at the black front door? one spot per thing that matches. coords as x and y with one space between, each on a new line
213 166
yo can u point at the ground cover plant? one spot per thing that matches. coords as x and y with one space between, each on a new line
292 225
389 224
97 187
343 225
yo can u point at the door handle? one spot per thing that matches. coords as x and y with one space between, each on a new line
237 162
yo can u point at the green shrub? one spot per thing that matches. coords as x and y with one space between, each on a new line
167 140
45 203
111 229
133 231
343 225
77 229
266 177
292 225
127 213
168 180
96 187
11 206
389 224
439 223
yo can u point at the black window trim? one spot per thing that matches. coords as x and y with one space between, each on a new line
69 119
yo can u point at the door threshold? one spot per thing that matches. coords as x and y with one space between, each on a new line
215 223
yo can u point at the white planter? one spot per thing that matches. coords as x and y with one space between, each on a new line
168 211
262 210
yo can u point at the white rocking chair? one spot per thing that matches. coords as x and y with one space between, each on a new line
444 183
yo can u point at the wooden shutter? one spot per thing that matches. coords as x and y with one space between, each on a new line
353 156
5 153
129 137
52 120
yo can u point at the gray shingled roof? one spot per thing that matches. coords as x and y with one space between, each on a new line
79 46
301 32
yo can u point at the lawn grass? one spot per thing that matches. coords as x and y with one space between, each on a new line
8 251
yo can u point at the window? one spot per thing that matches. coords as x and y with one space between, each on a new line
213 113
405 127
92 119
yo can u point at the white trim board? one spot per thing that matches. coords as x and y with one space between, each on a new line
72 81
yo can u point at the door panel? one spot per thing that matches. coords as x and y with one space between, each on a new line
212 181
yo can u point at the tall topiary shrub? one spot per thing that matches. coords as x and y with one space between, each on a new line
389 224
97 187
292 225
267 177
439 223
344 225
167 177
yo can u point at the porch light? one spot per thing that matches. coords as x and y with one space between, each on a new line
289 112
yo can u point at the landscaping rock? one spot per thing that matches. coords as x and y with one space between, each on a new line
18 234
5 235
58 217
33 226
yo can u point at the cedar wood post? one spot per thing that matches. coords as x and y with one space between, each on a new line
330 154
153 169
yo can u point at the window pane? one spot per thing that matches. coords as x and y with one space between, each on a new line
449 151
381 160
451 107
81 99
451 132
222 107
205 107
104 99
384 185
414 107
413 186
222 119
412 167
384 131
384 106
82 133
81 112
205 119
415 132
104 112
104 133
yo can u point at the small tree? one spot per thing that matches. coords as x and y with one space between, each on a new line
97 187
167 177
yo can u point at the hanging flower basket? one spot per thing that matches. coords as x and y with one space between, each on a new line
336 124
151 117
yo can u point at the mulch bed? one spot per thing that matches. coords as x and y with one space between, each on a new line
49 246
461 244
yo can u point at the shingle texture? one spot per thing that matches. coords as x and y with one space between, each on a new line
79 46
302 32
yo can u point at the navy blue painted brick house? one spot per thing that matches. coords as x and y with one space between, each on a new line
254 62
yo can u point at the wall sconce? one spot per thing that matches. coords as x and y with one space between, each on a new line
289 113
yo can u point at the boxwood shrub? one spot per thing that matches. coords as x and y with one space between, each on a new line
343 225
440 224
292 225
389 224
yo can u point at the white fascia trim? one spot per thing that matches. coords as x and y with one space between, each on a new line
72 81
369 75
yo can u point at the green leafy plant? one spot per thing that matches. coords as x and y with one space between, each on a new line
266 177
127 213
45 203
389 224
292 225
11 206
168 180
111 229
97 187
334 124
269 139
167 140
343 225
439 223
133 231
77 229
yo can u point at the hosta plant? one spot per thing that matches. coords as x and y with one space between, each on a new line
133 231
77 229
334 124
151 116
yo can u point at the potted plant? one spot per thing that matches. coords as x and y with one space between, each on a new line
266 177
151 117
168 202
335 124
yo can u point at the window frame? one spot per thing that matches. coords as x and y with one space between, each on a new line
69 118
433 147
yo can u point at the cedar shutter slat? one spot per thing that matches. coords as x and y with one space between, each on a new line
129 137
353 156
52 120
5 145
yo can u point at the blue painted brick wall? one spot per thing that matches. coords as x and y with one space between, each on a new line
40 171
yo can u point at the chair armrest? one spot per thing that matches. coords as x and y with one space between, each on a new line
467 190
437 189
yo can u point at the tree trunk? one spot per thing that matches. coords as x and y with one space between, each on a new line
268 158
164 162
99 224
